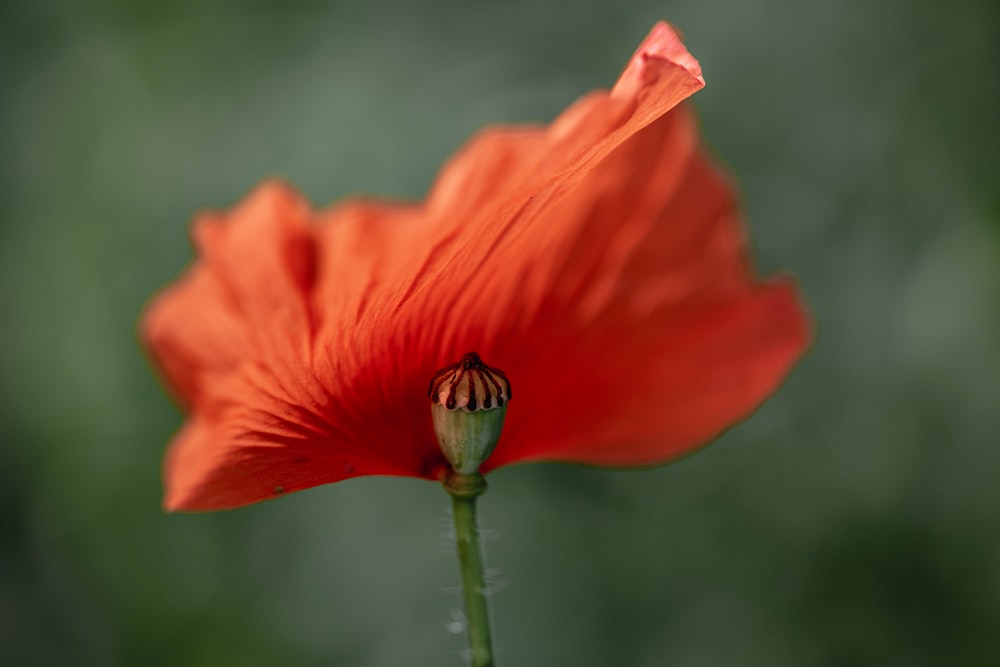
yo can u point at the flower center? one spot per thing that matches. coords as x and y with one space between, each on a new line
468 405
469 385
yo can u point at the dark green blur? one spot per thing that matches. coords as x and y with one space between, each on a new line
855 520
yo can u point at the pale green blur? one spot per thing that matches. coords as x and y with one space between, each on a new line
854 520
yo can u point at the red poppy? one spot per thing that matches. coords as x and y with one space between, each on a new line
600 262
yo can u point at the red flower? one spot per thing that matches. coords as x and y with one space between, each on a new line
599 262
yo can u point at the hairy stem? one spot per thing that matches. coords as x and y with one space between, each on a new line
464 489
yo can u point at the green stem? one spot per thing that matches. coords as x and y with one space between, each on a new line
464 489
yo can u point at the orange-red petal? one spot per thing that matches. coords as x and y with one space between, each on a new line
234 339
600 262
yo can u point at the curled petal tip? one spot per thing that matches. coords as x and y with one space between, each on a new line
665 43
662 47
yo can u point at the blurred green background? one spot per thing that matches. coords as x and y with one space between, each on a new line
855 520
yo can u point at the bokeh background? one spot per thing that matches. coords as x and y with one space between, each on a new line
854 520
